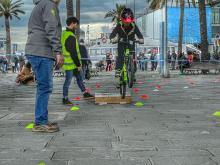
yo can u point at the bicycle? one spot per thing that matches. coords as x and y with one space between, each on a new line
128 69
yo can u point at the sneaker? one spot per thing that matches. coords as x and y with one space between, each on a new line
47 128
67 102
87 95
117 73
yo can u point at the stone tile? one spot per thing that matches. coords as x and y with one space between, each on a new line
106 162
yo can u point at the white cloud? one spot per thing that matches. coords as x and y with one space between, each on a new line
92 13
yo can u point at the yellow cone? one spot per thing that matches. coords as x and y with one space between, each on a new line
139 104
29 126
75 108
41 163
217 114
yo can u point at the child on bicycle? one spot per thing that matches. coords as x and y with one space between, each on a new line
125 30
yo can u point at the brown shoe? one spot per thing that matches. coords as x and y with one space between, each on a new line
53 124
47 128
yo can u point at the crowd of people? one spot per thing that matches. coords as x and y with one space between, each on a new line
16 63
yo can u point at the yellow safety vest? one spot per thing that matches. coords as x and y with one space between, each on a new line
68 62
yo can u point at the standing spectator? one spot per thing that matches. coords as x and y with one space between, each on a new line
146 61
72 60
155 61
173 60
109 62
152 56
42 48
5 65
13 66
141 61
16 63
169 57
85 58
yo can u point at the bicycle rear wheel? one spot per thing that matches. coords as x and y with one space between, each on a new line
123 90
130 73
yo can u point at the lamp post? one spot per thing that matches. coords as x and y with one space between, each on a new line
88 35
165 73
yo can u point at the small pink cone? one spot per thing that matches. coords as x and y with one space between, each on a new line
144 97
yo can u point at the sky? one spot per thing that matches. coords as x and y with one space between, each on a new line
92 14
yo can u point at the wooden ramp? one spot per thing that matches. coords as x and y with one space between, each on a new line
112 98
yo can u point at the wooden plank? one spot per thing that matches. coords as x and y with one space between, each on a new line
112 98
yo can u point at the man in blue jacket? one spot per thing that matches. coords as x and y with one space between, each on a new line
43 47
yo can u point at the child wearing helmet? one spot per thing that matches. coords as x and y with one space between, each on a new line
125 30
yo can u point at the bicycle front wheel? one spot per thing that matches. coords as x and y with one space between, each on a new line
130 73
123 85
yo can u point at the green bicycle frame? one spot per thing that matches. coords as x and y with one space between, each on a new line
124 69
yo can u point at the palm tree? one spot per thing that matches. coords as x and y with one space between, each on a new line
180 40
203 30
69 8
78 17
115 13
10 9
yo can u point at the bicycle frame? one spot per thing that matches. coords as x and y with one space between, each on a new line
124 76
127 71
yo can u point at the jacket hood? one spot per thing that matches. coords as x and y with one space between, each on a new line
36 1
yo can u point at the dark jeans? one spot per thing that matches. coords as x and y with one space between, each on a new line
120 57
84 67
43 70
69 76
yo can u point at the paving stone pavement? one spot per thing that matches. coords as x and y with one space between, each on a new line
175 126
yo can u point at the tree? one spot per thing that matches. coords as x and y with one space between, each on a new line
203 30
78 17
10 9
115 13
180 39
69 8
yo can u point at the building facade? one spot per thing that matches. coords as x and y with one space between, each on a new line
150 24
216 21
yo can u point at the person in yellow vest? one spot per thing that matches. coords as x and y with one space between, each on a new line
72 60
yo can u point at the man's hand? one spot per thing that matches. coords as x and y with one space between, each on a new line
59 60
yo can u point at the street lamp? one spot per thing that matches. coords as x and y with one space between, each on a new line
88 35
165 72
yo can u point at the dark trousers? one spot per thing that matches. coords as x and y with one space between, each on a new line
120 57
69 76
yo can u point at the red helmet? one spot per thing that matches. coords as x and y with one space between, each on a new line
127 16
